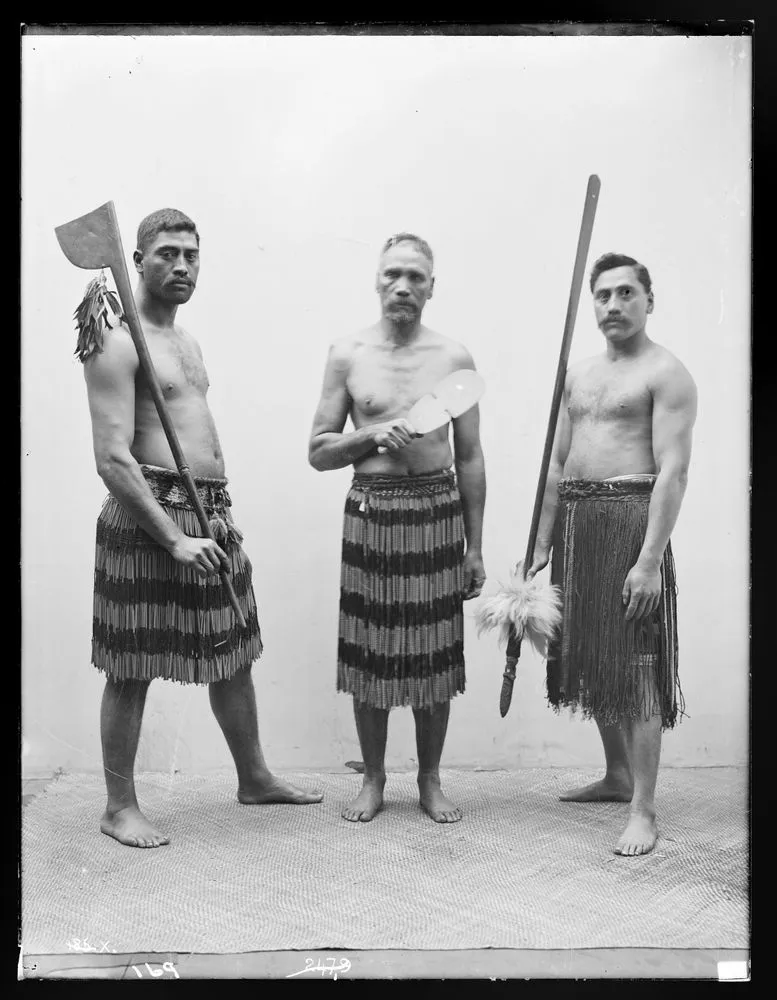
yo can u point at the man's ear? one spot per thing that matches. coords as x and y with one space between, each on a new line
137 257
431 289
650 302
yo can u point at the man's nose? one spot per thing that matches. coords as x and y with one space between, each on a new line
402 289
180 266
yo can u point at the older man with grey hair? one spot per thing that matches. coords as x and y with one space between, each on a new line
412 528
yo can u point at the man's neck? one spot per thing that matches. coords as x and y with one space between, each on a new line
400 334
156 312
626 349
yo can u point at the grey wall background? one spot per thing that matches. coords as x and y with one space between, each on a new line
297 156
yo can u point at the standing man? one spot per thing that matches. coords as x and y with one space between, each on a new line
159 607
615 486
405 568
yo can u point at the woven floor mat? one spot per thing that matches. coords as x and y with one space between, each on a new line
522 870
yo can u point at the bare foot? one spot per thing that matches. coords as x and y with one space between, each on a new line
367 803
129 826
271 789
609 789
433 802
640 834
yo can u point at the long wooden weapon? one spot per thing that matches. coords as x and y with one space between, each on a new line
94 241
525 607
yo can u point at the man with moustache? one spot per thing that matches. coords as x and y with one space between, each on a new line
159 608
615 486
412 529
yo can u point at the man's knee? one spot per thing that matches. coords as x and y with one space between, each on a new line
129 687
240 677
366 711
434 711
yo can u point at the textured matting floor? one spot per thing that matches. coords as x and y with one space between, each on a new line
522 870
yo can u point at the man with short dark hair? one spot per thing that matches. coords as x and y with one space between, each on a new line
405 571
159 607
615 486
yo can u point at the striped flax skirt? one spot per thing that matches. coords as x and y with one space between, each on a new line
401 637
600 661
155 618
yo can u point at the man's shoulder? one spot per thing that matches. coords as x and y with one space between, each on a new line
662 357
662 363
458 353
351 342
117 351
667 370
658 362
344 349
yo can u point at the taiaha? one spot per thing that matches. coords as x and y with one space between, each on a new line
94 241
527 608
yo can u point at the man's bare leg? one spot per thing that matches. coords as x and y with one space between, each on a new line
234 705
372 729
617 784
121 715
431 725
643 739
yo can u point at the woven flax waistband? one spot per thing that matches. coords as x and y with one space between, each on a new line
626 488
169 489
428 483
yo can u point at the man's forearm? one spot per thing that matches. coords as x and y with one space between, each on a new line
665 502
126 482
471 477
336 451
544 540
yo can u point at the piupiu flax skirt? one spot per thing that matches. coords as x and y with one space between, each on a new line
599 662
155 618
401 632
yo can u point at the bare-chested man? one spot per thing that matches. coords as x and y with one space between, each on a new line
159 607
616 483
405 570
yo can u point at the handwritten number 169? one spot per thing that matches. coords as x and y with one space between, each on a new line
166 967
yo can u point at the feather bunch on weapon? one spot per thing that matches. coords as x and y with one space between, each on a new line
530 607
99 309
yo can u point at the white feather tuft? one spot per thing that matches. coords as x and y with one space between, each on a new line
533 608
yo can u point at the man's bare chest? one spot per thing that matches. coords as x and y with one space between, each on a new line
179 368
610 396
383 383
